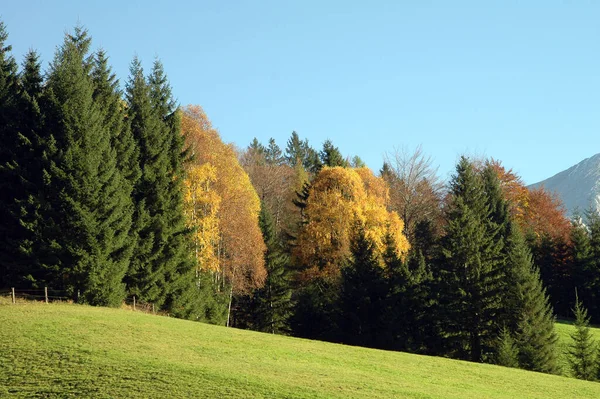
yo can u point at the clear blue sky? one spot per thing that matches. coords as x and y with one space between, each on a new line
515 80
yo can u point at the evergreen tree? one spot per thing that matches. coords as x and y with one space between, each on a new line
527 312
109 96
583 262
161 269
469 295
410 304
256 148
363 295
273 153
294 151
583 349
331 156
593 272
273 300
357 162
30 161
507 353
10 231
89 197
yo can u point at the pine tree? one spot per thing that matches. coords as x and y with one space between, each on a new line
583 262
294 151
161 269
331 156
507 353
363 295
273 300
583 349
527 312
31 157
89 196
593 223
10 231
273 153
469 292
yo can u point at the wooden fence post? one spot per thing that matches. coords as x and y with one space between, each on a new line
153 312
134 302
46 293
13 295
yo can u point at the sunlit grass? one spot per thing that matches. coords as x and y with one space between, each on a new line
62 350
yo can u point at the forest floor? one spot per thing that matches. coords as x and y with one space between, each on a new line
63 350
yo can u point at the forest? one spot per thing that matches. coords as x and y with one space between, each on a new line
110 192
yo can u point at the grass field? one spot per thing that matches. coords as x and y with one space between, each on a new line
60 351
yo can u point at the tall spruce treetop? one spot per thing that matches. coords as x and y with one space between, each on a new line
469 278
108 94
89 196
294 151
331 156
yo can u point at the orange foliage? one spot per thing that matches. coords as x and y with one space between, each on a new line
546 215
537 211
240 248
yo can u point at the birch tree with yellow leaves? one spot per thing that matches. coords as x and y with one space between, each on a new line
222 207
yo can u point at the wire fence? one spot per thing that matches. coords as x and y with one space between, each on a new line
18 296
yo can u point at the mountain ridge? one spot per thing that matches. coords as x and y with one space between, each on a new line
578 186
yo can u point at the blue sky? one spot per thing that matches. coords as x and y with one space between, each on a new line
517 81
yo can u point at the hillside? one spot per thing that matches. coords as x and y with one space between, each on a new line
78 351
578 186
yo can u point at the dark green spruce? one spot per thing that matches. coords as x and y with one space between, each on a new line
88 196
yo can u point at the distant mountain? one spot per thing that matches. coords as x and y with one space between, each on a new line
578 186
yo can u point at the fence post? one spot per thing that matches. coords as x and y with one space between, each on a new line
13 295
153 312
46 293
134 302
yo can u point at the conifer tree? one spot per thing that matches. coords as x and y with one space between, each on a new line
582 351
583 262
469 292
161 269
294 151
89 195
593 224
30 159
273 153
527 312
109 96
507 354
331 156
9 226
273 300
363 295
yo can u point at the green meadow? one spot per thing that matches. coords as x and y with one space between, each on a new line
63 351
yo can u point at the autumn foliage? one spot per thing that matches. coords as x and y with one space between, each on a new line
222 206
539 212
338 198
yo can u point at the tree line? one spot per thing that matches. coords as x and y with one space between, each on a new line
108 193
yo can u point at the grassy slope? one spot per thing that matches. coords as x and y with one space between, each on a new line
77 351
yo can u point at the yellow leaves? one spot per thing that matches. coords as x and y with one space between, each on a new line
225 203
338 198
201 208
